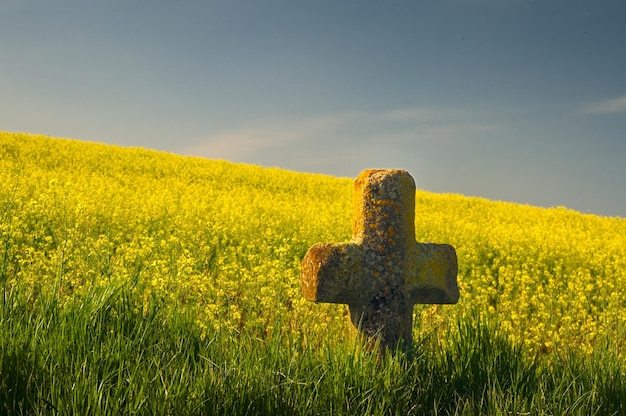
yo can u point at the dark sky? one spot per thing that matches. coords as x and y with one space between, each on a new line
517 100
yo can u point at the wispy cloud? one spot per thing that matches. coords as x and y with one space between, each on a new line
616 105
410 114
236 144
426 124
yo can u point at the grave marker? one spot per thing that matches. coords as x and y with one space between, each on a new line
382 272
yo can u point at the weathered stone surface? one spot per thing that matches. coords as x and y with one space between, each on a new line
382 272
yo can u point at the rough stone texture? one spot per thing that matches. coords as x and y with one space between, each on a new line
382 272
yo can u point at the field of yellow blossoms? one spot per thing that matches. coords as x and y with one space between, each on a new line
224 242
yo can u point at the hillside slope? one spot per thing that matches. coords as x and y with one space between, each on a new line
224 241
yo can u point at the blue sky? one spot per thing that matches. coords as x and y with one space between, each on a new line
515 100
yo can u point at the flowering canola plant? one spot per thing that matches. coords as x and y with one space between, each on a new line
223 242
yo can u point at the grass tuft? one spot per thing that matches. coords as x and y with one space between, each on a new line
109 355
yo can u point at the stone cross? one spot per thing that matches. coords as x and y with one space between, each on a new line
382 272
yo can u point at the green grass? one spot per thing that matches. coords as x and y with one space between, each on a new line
105 355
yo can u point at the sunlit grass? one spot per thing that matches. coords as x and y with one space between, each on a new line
104 356
134 280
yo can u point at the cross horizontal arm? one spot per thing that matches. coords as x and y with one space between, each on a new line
335 273
431 274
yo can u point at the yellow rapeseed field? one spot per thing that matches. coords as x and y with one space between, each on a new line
224 241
